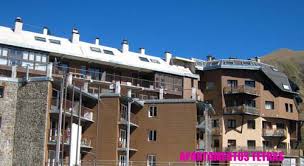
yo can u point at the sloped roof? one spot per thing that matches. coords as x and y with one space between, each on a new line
278 78
82 51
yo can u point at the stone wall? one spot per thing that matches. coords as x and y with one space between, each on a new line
8 114
30 126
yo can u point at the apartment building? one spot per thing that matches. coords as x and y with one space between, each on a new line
255 106
113 106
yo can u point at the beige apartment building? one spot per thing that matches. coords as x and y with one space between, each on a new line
102 105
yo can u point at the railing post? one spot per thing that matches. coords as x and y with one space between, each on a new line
14 71
49 70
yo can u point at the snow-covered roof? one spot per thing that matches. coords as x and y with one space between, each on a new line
83 51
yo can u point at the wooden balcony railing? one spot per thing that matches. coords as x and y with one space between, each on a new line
242 109
274 133
241 89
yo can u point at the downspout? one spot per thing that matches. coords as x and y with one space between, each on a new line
128 130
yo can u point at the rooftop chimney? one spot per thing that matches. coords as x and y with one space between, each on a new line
75 36
142 51
18 25
45 31
168 57
97 41
125 46
209 58
257 59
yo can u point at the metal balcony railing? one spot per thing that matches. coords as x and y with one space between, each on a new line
241 89
242 109
86 113
53 134
274 133
286 151
124 80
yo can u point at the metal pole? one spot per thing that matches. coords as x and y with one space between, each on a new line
63 128
79 123
59 125
128 131
97 124
71 122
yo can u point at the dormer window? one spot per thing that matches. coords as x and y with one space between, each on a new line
109 52
154 61
95 49
53 41
144 59
42 39
286 87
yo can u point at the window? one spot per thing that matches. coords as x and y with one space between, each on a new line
251 124
231 123
267 144
250 103
286 107
152 135
251 143
144 59
210 85
123 112
108 52
4 52
53 41
154 61
231 143
215 123
291 107
123 138
143 97
94 73
269 105
249 83
42 39
83 71
95 49
151 160
216 143
152 111
122 160
286 87
1 91
25 55
232 83
280 126
266 125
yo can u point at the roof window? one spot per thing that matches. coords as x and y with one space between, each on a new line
144 59
108 52
95 49
154 61
55 41
42 39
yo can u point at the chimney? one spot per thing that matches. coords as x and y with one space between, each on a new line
18 24
45 31
125 46
257 59
142 51
168 57
209 58
97 41
75 36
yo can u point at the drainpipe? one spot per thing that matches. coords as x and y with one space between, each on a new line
59 124
128 131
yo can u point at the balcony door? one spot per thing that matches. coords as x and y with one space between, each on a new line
122 160
232 83
123 138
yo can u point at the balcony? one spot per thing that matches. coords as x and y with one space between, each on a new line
107 78
242 89
274 133
86 113
122 145
301 116
239 110
133 119
65 138
216 131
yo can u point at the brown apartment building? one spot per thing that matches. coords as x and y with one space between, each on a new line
79 103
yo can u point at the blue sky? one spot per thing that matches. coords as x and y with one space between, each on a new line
190 28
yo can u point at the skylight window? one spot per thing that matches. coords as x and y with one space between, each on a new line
154 61
55 41
108 52
95 49
286 87
42 39
144 59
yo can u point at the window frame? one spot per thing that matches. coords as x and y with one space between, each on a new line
152 112
253 124
152 136
151 162
271 106
231 124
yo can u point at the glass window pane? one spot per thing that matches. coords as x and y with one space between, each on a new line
43 59
32 56
3 61
4 52
31 65
38 58
25 55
